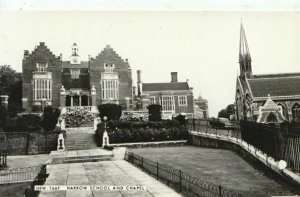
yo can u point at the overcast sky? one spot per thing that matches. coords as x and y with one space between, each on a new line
200 46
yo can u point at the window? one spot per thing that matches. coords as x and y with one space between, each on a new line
41 66
110 89
109 68
182 101
167 103
75 73
152 100
42 89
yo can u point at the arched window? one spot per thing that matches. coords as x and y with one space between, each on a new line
296 111
271 118
284 112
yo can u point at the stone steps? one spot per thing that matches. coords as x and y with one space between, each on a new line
80 139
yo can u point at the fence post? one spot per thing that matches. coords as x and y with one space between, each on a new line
157 170
142 163
180 181
220 191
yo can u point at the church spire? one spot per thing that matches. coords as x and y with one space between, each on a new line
244 54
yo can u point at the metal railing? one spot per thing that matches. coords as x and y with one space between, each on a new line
3 158
19 175
38 180
279 142
179 180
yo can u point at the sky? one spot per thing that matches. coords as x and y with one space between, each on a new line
202 46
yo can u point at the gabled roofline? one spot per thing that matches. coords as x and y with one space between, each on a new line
238 78
249 87
291 97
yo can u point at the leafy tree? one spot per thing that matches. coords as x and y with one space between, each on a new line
11 85
50 118
225 113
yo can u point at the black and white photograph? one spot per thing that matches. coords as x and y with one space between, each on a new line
163 98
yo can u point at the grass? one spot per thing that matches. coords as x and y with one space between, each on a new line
220 167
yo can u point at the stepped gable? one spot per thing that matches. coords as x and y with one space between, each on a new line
285 84
41 53
109 55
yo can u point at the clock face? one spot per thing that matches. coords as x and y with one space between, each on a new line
75 60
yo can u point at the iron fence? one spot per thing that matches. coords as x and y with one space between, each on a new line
3 158
20 175
38 180
179 180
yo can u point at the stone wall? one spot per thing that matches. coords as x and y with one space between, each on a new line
20 143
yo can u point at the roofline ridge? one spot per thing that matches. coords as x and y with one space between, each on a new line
277 74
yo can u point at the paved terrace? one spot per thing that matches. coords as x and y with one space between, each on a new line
101 173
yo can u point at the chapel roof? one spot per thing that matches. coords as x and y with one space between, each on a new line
285 84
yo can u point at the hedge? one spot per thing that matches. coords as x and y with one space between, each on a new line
124 131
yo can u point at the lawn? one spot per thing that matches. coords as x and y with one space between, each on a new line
221 167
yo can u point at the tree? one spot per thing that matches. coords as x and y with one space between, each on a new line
11 85
225 113
50 118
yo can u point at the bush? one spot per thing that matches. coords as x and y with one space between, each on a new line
154 112
3 117
36 108
50 118
124 131
29 123
111 111
181 119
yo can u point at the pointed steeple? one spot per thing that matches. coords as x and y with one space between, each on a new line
244 54
244 49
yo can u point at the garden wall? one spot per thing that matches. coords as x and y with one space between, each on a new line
19 143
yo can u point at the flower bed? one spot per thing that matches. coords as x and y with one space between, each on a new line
79 118
134 116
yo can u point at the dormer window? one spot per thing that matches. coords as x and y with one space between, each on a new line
75 73
42 66
109 68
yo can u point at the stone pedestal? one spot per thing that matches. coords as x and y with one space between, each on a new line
93 96
60 142
63 124
62 97
4 101
145 104
127 100
105 139
25 104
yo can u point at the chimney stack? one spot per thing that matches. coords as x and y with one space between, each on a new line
174 77
26 53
